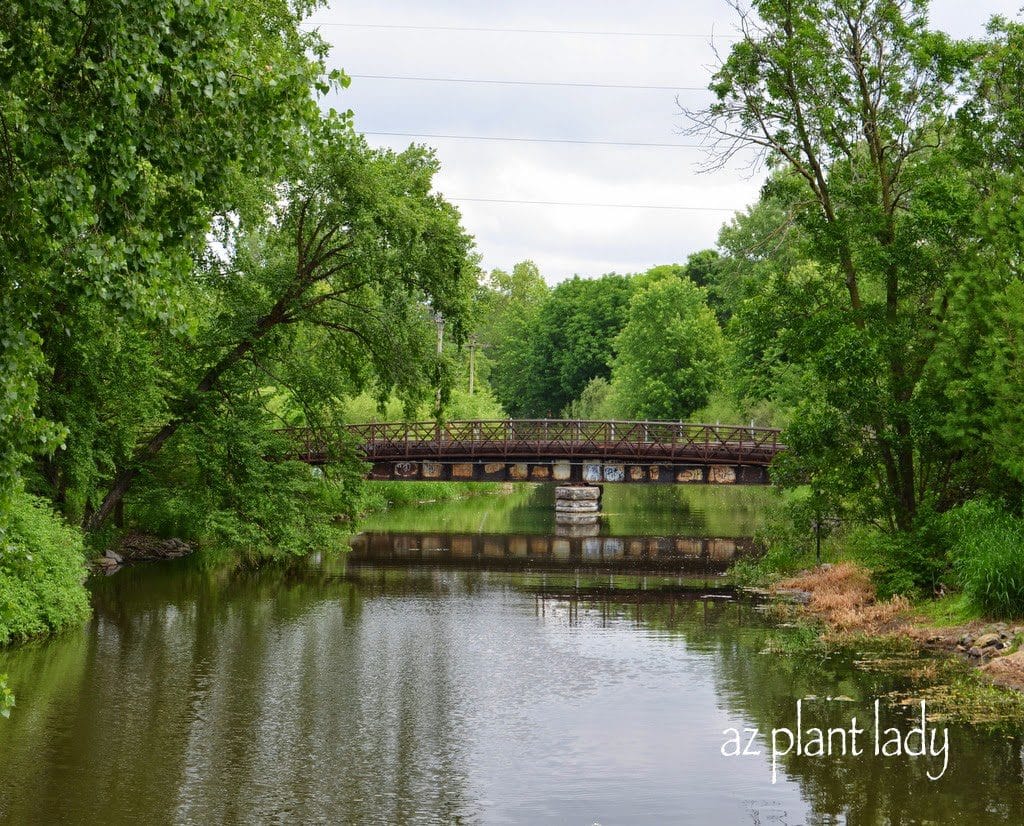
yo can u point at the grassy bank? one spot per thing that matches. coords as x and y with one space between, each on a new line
379 496
954 587
838 610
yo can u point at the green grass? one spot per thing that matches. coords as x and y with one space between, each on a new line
379 496
952 609
987 550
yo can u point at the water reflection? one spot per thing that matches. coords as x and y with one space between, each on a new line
706 556
324 692
627 510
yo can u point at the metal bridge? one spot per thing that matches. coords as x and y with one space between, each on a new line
557 450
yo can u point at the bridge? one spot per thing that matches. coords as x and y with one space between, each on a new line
557 450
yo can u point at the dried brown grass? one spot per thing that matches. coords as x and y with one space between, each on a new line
844 598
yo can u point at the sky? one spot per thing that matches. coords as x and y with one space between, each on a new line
670 44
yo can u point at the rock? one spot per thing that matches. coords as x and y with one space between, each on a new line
137 547
975 652
114 556
986 640
562 518
966 640
802 597
1007 671
578 492
577 506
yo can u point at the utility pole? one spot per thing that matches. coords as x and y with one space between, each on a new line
439 321
472 362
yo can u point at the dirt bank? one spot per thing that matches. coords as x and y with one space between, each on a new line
844 600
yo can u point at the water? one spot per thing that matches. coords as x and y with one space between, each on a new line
334 691
647 510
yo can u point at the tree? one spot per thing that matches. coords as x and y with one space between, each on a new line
855 98
568 343
670 354
505 312
984 397
126 129
359 255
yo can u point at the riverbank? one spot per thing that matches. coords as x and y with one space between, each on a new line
982 655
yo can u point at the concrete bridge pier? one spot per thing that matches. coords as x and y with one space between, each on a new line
577 506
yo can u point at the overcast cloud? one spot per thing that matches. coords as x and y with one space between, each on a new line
563 240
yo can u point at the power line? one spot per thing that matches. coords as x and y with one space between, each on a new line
535 140
532 83
591 33
589 204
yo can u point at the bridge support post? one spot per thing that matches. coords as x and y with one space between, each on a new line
577 505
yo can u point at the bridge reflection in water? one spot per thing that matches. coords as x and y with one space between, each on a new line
703 556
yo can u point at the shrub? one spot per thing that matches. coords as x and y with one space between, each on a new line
912 563
786 543
988 556
216 485
42 571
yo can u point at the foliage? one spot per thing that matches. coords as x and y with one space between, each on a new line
334 295
218 483
556 348
1001 382
951 609
855 102
505 310
595 402
670 353
912 564
118 152
195 254
987 548
42 568
786 544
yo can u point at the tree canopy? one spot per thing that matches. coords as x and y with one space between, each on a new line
670 353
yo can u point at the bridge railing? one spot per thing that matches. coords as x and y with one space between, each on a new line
520 438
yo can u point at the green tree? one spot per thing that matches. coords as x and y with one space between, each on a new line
982 363
335 294
670 354
855 98
569 343
126 130
505 313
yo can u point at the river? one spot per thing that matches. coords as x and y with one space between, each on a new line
464 664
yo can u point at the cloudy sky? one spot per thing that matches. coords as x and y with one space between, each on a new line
655 44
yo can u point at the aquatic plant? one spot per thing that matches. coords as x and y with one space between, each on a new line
6 697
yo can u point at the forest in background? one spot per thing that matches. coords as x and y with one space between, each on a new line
195 253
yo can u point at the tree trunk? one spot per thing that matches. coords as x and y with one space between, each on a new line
124 478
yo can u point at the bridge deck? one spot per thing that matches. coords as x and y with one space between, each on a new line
554 440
